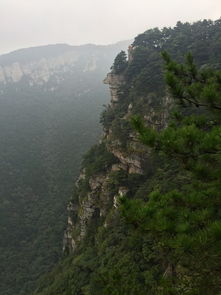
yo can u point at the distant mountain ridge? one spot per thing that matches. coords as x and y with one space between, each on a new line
37 52
50 100
41 63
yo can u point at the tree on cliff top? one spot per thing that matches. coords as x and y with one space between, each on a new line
185 224
120 63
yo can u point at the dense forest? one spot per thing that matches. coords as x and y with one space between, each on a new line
144 217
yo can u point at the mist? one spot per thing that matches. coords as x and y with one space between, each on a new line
28 23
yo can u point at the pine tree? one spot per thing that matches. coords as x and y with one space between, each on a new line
185 224
120 63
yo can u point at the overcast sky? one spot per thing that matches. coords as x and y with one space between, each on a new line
25 23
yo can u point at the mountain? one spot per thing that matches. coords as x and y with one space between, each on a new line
41 64
144 215
50 100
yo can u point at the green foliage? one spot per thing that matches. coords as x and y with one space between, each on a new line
182 222
120 63
145 70
144 73
168 240
200 88
121 130
97 160
107 116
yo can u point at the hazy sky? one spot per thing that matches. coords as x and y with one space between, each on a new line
25 23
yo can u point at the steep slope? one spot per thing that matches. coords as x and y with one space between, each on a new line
105 254
50 100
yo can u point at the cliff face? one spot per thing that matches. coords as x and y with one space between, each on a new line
115 245
131 158
41 69
40 65
49 111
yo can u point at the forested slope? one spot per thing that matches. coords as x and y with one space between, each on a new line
144 216
50 100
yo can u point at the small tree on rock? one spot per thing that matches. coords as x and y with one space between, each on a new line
120 63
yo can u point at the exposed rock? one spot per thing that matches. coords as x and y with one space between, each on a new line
88 207
96 182
116 201
40 70
133 160
81 177
130 107
121 192
69 243
115 82
118 167
130 53
105 198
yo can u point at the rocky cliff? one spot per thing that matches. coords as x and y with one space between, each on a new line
41 64
145 243
134 245
50 101
130 158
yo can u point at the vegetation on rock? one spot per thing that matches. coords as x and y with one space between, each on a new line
49 117
163 237
120 63
184 225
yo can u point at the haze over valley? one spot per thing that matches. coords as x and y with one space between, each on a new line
110 147
50 102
